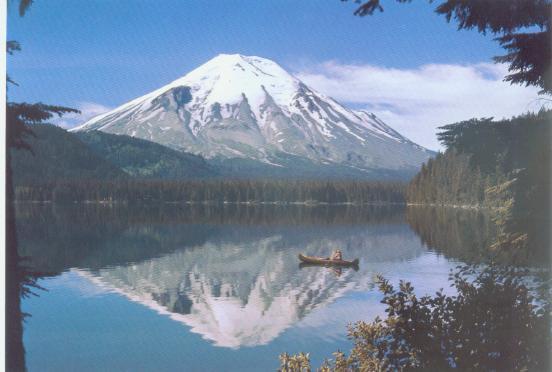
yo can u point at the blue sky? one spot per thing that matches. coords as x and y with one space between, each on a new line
103 53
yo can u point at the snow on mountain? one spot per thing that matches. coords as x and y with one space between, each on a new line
237 106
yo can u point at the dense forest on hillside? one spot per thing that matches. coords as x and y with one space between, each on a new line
502 165
58 155
215 191
61 155
145 159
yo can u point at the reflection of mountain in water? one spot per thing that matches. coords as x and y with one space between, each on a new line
237 284
244 292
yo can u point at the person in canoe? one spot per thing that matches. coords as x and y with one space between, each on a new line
336 255
335 259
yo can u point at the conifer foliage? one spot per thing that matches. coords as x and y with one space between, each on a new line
502 165
18 280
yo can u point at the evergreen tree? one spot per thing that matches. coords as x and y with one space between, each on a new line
18 280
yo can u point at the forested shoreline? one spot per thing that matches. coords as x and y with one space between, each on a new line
503 166
214 191
482 153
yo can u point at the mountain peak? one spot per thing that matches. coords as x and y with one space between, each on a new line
234 57
230 59
227 77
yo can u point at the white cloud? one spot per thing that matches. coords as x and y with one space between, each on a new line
88 111
417 101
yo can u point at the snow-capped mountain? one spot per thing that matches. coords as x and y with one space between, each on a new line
244 107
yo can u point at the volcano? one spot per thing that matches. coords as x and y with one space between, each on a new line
237 107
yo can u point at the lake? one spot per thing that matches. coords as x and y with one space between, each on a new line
220 288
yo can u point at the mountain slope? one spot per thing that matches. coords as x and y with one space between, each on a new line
250 108
146 159
59 155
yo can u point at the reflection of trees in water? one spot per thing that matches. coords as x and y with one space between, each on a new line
240 214
15 352
456 233
93 236
20 282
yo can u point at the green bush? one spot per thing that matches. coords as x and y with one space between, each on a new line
494 322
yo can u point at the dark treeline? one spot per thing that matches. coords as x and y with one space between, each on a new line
449 179
215 191
484 153
502 165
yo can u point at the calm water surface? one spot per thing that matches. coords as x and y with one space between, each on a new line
220 288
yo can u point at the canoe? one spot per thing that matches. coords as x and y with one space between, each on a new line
326 261
303 265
